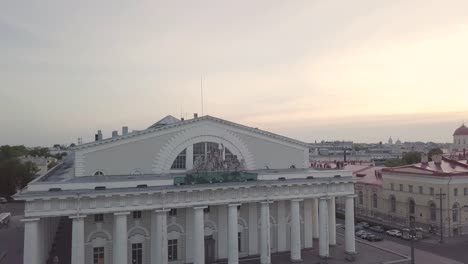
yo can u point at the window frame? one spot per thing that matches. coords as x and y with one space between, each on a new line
99 256
172 249
99 218
137 253
136 215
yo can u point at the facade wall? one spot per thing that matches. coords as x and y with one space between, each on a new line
100 234
422 211
124 158
275 155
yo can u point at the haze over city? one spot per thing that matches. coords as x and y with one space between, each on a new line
312 70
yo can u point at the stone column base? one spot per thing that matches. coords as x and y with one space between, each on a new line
351 256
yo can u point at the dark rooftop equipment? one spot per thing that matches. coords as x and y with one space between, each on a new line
55 189
281 179
310 177
99 188
337 176
142 186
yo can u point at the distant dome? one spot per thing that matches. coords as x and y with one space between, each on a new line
461 131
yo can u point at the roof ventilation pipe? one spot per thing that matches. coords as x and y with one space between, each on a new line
424 158
98 136
124 131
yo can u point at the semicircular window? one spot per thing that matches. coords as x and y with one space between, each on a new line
179 162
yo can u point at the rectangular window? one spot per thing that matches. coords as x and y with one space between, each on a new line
136 214
179 162
239 242
198 152
173 212
465 191
98 255
206 209
401 187
137 253
98 218
455 192
391 186
410 188
420 190
431 191
172 249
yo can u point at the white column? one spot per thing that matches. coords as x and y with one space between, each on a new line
233 251
253 229
222 231
189 158
31 241
323 222
331 222
315 218
189 212
295 230
78 240
281 224
198 236
350 243
120 247
265 254
160 237
308 237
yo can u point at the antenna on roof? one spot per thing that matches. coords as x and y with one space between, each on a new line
201 88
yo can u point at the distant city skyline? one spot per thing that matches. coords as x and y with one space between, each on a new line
310 70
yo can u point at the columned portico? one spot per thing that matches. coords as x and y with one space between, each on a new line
308 223
265 254
233 249
323 223
295 231
159 237
31 241
119 255
78 240
331 222
350 240
198 236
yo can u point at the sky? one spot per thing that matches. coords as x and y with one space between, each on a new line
360 70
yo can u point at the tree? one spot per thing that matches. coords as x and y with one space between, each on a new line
13 173
434 151
412 157
394 163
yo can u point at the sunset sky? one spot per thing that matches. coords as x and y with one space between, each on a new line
360 70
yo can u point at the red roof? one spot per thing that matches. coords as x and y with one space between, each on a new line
461 131
447 167
366 174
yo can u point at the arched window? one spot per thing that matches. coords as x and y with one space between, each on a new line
374 200
455 213
361 198
412 206
179 162
432 209
98 173
392 204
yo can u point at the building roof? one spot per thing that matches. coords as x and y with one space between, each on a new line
168 123
168 120
366 174
461 131
446 167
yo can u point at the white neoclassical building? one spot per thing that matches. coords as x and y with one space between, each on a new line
185 191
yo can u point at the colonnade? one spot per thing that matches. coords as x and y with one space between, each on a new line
320 212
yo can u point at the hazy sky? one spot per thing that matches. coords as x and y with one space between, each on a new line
359 70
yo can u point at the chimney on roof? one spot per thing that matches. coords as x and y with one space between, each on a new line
424 158
195 115
124 130
437 159
98 136
115 134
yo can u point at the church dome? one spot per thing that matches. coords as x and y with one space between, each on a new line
461 131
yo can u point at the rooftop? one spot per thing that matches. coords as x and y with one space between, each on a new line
446 167
461 131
